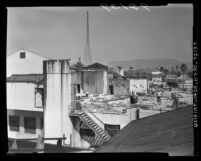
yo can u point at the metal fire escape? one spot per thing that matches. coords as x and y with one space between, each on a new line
98 135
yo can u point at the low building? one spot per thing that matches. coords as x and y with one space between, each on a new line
92 79
118 86
138 85
138 81
157 77
170 77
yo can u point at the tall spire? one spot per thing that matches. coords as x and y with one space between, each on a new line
87 53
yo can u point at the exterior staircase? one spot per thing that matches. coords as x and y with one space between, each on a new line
101 135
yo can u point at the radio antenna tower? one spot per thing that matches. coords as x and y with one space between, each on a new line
87 53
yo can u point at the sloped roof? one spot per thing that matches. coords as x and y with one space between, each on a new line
30 52
96 66
170 132
33 78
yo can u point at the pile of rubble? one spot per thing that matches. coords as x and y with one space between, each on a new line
150 103
105 103
117 104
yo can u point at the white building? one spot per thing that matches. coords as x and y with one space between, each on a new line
93 79
25 106
24 62
25 94
138 85
157 76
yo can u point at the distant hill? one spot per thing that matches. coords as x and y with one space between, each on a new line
150 63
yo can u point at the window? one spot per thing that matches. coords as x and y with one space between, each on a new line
112 129
22 55
78 88
39 97
41 123
14 123
30 125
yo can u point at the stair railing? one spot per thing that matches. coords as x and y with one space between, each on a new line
110 131
97 125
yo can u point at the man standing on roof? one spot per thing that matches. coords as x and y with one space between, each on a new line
133 97
175 98
158 95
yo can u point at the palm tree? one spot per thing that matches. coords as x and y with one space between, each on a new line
172 71
166 71
177 71
183 69
161 69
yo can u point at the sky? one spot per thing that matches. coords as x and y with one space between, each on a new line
115 34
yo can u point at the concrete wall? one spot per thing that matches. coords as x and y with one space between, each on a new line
116 119
121 87
119 119
58 99
146 113
22 114
138 85
105 82
21 96
32 63
76 139
95 82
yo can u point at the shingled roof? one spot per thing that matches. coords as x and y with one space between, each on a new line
31 78
170 132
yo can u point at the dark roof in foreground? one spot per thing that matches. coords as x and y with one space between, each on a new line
33 78
170 132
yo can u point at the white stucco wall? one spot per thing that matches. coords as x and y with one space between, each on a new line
76 139
119 119
146 113
138 85
21 96
95 82
21 133
32 63
116 119
105 82
58 100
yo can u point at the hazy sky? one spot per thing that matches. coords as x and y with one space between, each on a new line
121 34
